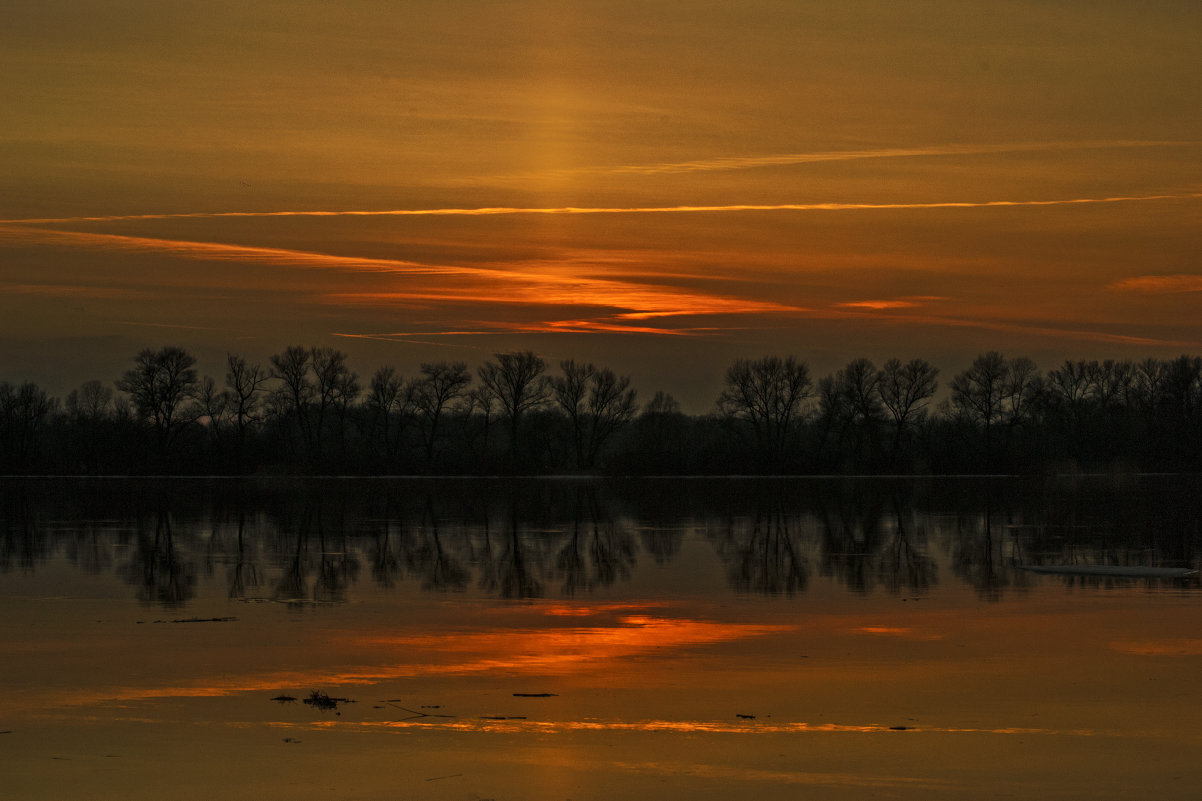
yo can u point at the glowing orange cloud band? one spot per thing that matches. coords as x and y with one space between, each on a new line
788 159
1166 284
503 210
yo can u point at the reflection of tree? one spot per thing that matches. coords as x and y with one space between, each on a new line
293 585
662 542
22 543
89 552
505 566
428 556
385 566
161 574
596 551
245 572
764 554
851 537
902 565
337 567
306 541
979 553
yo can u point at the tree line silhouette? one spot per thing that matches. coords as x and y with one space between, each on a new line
308 412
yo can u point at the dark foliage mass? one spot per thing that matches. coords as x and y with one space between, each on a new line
307 412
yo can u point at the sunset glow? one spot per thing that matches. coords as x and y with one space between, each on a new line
626 184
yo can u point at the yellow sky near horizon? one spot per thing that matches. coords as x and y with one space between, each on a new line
657 186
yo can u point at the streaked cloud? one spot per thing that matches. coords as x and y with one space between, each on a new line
540 284
487 211
1044 331
790 159
1160 284
84 291
877 304
216 251
544 284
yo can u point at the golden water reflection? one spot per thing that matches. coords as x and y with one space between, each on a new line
706 670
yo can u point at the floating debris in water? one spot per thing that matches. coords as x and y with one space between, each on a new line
534 695
285 699
322 701
198 620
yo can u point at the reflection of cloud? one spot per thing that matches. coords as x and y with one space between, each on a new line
698 770
901 632
1167 284
601 650
589 610
561 650
1169 647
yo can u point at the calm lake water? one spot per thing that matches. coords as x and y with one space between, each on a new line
577 639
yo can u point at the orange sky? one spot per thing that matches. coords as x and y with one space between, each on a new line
657 186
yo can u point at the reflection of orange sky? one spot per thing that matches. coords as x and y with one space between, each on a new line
900 632
1171 647
565 650
753 727
600 650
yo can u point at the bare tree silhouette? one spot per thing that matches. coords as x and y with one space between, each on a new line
517 383
597 403
768 395
161 383
441 385
905 390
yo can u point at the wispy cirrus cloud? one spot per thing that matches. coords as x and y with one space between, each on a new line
1045 331
487 211
877 304
538 284
790 159
581 326
218 251
1160 284
88 291
630 301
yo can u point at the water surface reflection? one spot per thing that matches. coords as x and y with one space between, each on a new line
592 640
307 542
